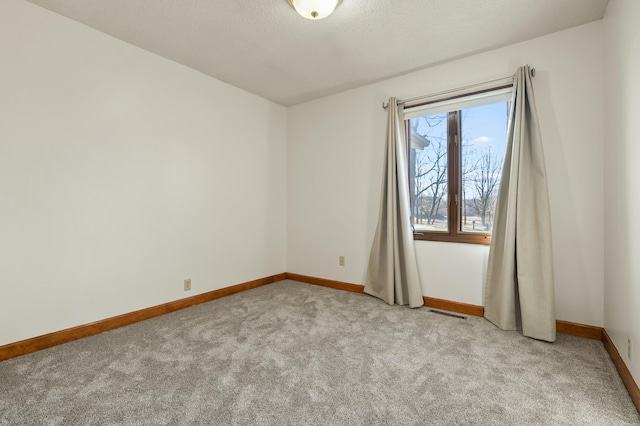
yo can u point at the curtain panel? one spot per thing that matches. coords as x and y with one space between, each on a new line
392 274
520 285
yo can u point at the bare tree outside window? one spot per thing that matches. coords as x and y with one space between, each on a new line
430 165
483 130
484 181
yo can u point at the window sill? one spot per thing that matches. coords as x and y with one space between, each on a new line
481 239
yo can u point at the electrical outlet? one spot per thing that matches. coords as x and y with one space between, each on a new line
629 348
187 284
341 260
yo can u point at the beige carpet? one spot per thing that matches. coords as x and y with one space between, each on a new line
292 353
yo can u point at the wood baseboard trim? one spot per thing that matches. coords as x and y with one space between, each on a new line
340 285
430 302
580 330
448 305
565 327
623 371
34 344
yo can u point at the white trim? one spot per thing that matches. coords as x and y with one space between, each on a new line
459 103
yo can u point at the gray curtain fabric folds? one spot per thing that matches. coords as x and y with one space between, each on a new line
392 274
520 288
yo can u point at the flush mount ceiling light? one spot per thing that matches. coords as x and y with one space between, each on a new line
314 9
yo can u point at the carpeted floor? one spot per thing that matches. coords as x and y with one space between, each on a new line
292 353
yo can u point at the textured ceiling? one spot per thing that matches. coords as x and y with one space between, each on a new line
265 47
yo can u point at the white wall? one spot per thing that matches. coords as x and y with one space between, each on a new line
121 174
622 178
335 147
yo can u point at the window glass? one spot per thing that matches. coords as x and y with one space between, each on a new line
455 166
429 164
484 132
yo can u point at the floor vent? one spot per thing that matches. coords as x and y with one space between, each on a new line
449 314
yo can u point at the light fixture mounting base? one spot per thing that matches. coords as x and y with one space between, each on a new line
291 3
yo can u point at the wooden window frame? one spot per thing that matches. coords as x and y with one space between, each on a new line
455 233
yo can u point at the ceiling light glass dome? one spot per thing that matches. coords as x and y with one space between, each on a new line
314 9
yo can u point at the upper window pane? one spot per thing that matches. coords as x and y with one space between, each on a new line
459 103
429 169
484 132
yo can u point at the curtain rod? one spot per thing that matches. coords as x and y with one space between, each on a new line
505 80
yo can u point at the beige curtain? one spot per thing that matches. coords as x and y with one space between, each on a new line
520 290
392 274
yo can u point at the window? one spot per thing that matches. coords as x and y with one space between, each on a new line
456 153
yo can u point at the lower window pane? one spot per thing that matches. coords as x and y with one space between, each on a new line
429 172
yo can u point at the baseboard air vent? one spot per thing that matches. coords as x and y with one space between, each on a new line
449 314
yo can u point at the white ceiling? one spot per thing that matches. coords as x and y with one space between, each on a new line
265 47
